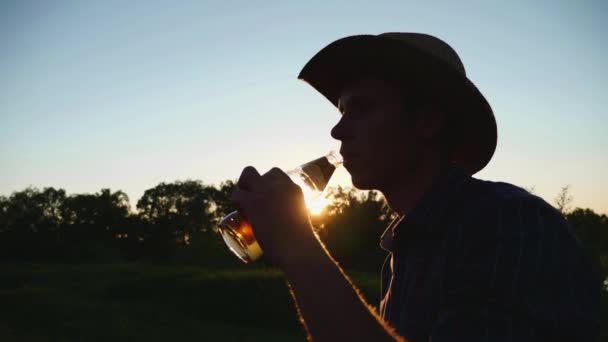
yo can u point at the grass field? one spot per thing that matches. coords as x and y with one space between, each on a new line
132 302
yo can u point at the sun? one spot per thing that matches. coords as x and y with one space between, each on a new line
315 202
316 206
314 199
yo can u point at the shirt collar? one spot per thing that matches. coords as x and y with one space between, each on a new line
426 215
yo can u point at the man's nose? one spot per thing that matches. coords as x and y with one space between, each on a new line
341 130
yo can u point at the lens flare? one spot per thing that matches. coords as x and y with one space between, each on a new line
316 206
315 202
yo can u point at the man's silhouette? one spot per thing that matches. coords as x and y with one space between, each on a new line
468 260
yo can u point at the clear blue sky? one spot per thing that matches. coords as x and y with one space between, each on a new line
126 94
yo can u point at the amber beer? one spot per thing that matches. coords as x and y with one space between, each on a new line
312 177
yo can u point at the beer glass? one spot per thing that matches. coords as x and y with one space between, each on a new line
312 177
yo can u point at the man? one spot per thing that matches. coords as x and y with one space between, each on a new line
469 260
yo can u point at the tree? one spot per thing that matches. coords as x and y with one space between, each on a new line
95 224
32 210
173 212
531 189
352 225
30 222
592 230
4 203
564 199
221 199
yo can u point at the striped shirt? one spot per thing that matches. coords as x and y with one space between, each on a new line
486 261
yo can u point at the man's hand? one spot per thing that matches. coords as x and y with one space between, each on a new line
326 299
274 206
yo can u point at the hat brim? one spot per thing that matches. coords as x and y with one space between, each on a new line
347 58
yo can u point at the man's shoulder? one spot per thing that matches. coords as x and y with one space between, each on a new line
503 205
486 195
501 214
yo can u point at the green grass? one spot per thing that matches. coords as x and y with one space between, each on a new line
131 302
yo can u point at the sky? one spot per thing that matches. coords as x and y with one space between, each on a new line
128 94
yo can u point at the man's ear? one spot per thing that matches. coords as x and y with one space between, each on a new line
430 122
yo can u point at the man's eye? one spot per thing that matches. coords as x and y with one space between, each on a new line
359 111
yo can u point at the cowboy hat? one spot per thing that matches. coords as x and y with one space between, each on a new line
412 57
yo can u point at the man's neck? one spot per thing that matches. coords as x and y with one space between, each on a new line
403 195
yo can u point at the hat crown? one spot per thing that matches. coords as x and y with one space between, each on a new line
430 45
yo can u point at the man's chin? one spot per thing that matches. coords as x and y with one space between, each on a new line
361 182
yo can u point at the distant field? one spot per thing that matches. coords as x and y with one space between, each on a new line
131 302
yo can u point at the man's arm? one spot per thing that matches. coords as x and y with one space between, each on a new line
331 307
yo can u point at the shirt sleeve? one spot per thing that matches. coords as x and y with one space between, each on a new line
517 273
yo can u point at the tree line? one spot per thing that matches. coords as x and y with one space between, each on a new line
50 225
174 222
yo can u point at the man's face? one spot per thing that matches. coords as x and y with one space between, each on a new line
378 144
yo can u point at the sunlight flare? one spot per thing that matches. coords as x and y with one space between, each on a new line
315 204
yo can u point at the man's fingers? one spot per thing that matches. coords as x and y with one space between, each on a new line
276 174
250 179
239 196
241 199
